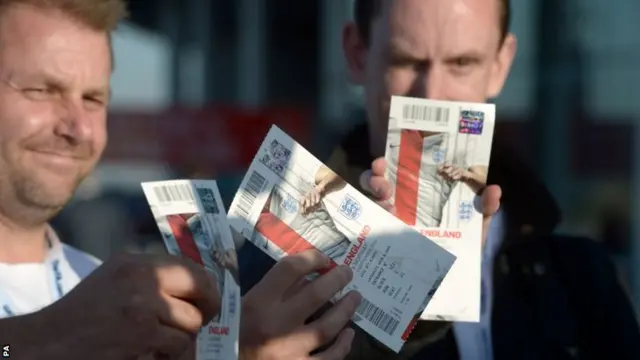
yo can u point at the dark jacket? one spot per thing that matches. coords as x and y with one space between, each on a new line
554 296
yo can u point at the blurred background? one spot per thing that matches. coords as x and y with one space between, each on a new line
198 83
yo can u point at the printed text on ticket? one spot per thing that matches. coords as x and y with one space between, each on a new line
437 156
290 202
193 223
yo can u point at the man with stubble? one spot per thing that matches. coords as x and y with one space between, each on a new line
57 302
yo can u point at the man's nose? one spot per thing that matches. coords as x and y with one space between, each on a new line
74 123
430 83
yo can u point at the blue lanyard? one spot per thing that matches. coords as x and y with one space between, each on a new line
55 275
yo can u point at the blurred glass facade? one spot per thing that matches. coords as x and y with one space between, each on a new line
210 76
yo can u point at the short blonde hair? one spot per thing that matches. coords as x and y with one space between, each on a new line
100 15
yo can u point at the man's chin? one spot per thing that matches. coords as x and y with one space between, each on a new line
51 195
48 202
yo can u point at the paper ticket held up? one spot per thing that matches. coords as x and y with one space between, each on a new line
437 156
290 202
192 221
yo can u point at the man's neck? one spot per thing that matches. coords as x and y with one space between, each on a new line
21 244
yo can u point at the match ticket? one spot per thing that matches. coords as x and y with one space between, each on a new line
193 223
437 161
290 202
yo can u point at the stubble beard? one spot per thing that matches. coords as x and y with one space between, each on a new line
36 201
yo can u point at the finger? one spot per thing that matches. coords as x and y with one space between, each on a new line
329 325
296 287
286 273
378 167
382 188
340 348
319 292
181 315
189 281
491 200
169 343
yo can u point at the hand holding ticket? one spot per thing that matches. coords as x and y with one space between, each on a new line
192 221
276 312
289 202
131 306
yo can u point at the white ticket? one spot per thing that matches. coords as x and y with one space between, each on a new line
437 161
192 220
290 202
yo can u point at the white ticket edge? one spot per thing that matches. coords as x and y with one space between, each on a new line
198 205
395 289
459 297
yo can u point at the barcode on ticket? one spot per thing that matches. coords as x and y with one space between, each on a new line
173 192
378 317
435 114
249 194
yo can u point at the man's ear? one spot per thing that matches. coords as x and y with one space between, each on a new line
355 51
501 66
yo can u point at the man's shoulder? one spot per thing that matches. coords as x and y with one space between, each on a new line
81 262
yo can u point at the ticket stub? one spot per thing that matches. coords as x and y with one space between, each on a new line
193 223
437 156
290 202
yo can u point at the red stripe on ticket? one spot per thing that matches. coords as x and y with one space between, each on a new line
184 236
284 237
406 191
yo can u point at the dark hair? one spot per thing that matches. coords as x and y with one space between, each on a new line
365 11
100 15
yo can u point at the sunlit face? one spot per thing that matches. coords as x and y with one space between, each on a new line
446 50
54 88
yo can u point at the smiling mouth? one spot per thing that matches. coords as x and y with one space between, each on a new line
58 155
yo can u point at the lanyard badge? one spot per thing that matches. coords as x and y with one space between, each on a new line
55 275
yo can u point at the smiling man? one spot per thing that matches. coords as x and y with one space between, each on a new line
54 90
55 68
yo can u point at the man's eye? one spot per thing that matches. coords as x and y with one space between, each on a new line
463 61
37 93
94 103
93 100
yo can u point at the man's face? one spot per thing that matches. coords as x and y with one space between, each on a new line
445 50
54 88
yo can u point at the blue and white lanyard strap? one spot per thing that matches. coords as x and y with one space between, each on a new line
53 263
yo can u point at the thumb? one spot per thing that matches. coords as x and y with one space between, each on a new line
491 200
